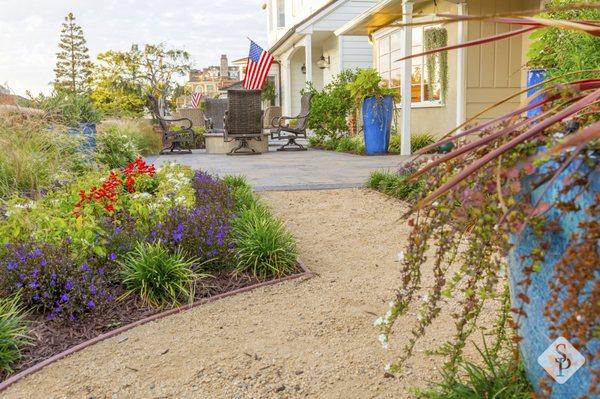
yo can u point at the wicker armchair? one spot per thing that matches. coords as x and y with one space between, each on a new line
285 130
214 114
243 120
180 140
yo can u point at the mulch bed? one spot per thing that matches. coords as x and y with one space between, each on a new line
53 337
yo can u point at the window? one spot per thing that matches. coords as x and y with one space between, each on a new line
389 50
280 13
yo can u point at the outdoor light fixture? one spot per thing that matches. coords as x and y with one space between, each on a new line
303 69
323 62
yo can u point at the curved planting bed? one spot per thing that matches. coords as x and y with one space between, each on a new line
117 249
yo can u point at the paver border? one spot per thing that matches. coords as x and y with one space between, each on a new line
39 366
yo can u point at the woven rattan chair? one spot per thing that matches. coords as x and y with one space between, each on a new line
214 114
243 120
181 140
291 132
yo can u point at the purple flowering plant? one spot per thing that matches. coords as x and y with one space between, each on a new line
51 282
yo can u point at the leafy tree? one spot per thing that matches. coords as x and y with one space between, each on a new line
117 88
562 51
121 79
73 66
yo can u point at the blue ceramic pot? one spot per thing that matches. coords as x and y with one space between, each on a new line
88 131
377 121
535 76
535 328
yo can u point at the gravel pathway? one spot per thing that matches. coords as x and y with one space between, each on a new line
305 338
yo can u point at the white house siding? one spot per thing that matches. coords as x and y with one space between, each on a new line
330 48
342 14
357 52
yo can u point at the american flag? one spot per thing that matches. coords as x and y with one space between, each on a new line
196 97
257 68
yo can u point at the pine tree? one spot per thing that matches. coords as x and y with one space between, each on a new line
73 66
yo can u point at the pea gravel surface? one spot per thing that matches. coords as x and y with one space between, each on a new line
309 338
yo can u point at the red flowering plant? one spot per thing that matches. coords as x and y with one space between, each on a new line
137 176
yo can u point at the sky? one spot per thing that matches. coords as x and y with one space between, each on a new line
29 32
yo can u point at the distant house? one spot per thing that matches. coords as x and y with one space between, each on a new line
477 77
6 98
302 40
210 80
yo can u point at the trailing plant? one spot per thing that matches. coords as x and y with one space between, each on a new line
482 193
436 63
158 276
13 333
368 84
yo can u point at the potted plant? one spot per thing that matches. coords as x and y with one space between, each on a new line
377 102
517 208
77 112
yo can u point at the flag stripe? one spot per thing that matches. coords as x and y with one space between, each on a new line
257 67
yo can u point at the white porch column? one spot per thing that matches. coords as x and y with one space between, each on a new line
308 57
407 9
287 86
461 69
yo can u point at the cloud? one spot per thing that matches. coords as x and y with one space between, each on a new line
205 28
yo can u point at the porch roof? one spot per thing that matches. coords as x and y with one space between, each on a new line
378 17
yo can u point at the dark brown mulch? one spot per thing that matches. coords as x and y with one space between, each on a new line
53 337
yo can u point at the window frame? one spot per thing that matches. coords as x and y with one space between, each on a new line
386 34
280 14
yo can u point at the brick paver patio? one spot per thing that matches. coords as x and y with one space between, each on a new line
312 169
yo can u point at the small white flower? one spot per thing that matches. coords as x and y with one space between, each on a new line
388 316
435 204
388 367
400 256
379 321
383 339
579 317
426 298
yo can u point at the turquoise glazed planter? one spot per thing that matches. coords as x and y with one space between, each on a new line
535 328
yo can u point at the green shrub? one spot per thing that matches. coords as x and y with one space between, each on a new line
68 108
140 132
12 333
159 277
394 147
115 149
395 184
241 191
420 140
562 51
34 156
331 107
497 378
417 141
354 145
263 246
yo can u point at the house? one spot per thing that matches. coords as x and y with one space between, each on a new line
210 80
301 38
477 77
